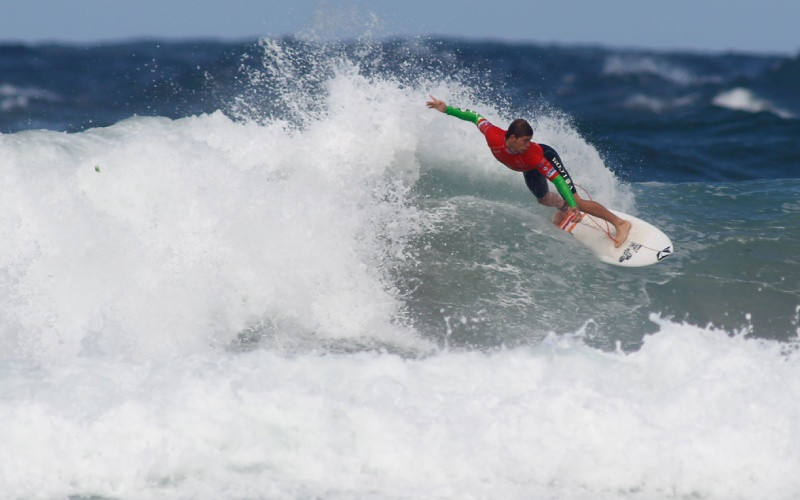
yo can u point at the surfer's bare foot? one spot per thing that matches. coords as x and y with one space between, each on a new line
623 229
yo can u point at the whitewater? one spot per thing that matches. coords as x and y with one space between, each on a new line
694 413
344 296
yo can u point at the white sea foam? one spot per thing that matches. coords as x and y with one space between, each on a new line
13 97
742 99
658 104
194 229
694 413
622 65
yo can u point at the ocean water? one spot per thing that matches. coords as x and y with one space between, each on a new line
266 270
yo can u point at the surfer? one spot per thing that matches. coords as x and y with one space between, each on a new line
538 164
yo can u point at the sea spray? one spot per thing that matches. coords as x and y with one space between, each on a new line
196 228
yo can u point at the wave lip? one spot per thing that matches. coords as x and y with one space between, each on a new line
13 97
743 99
619 65
658 104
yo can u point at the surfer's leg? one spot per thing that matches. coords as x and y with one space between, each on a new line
537 183
590 207
622 226
538 186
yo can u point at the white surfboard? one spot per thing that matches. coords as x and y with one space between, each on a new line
646 244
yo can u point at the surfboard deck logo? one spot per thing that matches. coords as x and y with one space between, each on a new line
628 253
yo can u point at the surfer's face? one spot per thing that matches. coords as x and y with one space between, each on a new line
518 145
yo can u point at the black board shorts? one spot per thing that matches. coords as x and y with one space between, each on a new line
537 183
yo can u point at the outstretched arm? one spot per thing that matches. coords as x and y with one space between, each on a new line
464 114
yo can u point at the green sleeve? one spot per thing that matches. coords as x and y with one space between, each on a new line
565 191
464 114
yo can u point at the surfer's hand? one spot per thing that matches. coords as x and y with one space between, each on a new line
568 209
573 211
437 104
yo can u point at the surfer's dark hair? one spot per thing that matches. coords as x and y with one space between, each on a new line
519 128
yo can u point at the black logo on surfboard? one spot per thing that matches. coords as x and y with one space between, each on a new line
663 254
627 254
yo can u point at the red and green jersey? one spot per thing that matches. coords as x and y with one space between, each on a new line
532 159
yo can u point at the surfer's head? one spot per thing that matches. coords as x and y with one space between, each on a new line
519 128
518 136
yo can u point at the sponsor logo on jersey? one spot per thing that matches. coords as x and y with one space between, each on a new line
546 168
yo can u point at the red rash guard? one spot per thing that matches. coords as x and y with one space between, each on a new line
531 159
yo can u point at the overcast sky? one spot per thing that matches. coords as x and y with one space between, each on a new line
771 26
